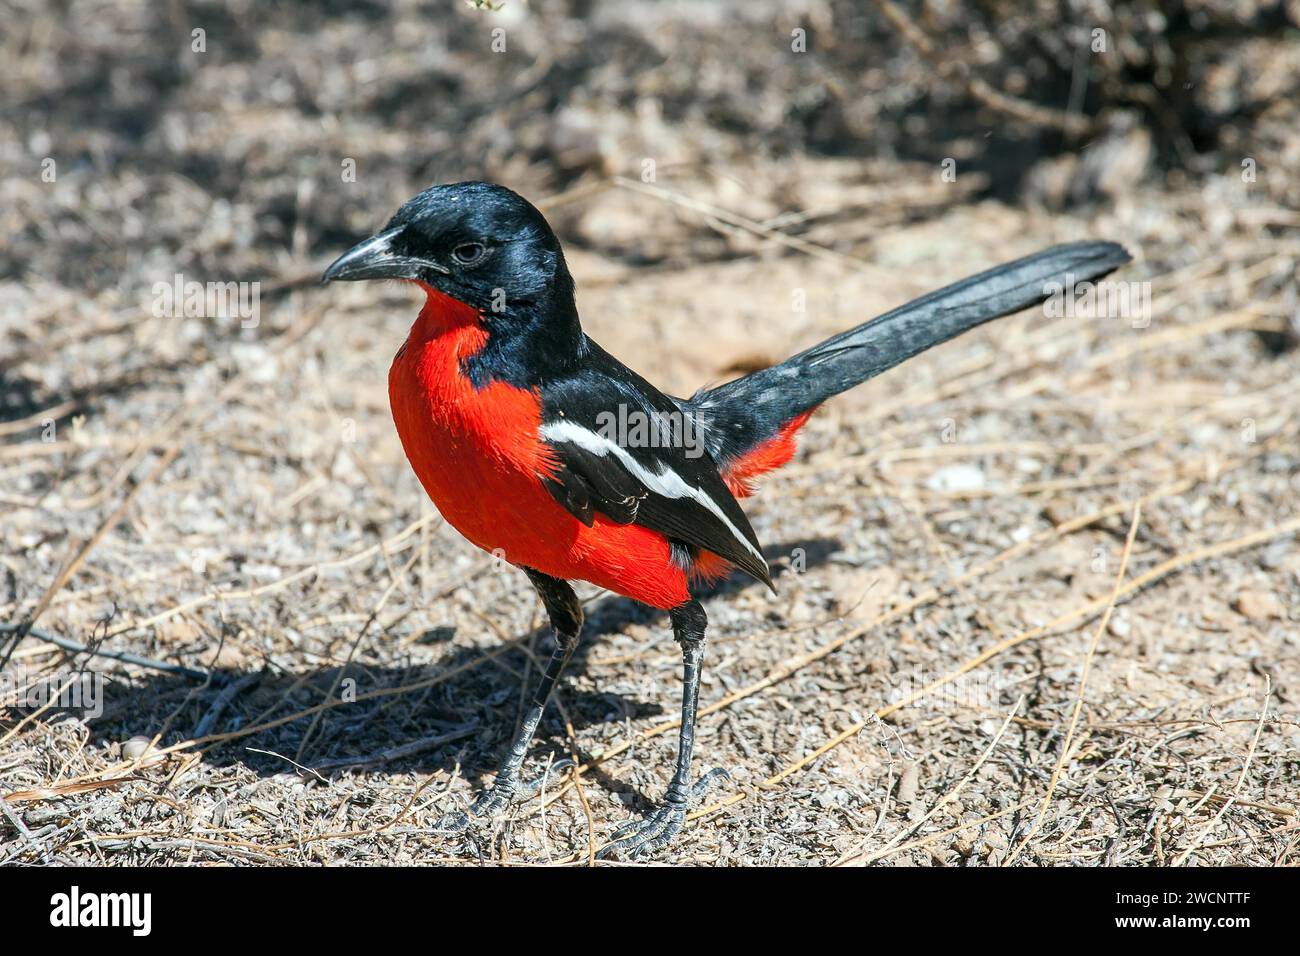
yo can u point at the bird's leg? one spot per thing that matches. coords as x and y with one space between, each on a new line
658 828
565 613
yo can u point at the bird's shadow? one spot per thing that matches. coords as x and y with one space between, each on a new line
457 714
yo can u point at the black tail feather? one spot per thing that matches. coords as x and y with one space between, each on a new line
742 413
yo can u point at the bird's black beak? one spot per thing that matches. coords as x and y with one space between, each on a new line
377 258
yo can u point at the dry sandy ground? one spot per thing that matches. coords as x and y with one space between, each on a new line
969 508
933 684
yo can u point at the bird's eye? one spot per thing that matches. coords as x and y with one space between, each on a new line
468 253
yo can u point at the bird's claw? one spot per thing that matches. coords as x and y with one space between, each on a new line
706 782
646 835
526 791
658 828
507 789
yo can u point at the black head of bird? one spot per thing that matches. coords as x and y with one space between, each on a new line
479 243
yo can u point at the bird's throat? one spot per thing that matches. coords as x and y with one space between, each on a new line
440 315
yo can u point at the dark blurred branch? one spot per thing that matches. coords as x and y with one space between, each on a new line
959 72
126 657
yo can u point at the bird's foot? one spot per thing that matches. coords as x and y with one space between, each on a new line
658 828
505 790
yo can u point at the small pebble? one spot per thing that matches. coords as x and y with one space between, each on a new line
1258 605
135 748
956 478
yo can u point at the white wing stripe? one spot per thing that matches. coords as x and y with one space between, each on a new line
667 483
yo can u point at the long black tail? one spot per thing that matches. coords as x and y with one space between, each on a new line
743 413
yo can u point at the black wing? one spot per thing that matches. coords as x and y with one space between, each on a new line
629 452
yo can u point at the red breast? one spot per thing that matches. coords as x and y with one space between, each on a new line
478 454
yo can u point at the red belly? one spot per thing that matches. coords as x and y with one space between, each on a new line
478 454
